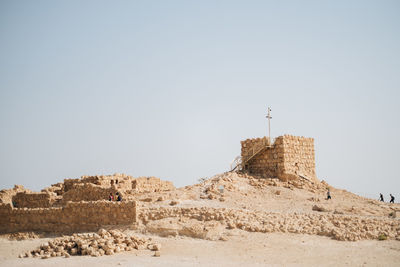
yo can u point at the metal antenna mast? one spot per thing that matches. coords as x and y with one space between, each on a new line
269 123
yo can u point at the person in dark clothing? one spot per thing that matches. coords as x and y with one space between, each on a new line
111 197
328 195
391 198
119 198
381 197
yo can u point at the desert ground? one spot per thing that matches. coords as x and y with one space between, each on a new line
234 219
242 249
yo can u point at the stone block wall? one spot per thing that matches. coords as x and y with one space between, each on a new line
249 145
268 163
87 192
151 184
73 217
6 195
299 157
69 183
32 200
287 158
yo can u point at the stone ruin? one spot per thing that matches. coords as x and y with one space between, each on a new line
81 205
87 188
75 205
288 158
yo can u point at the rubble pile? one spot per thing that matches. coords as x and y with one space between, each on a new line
23 236
93 244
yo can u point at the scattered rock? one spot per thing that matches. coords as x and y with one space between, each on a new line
319 208
338 212
382 237
154 246
22 236
223 238
173 203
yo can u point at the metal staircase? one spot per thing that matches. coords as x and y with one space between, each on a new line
240 162
236 164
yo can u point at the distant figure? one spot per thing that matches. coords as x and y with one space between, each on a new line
111 197
118 196
391 198
328 195
381 197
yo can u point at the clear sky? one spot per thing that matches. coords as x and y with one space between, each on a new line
170 88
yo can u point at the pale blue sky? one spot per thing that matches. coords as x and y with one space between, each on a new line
169 88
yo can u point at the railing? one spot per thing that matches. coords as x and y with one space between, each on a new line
239 162
257 148
236 164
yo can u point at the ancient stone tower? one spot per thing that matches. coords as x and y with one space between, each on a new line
288 158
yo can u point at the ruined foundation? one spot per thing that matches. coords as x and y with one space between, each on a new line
76 205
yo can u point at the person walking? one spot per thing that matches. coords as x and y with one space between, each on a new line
111 197
381 197
328 195
391 198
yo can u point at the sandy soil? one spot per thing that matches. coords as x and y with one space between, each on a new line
242 249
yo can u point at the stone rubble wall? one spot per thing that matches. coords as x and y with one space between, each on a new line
92 188
339 227
6 195
69 184
118 180
249 144
299 157
289 157
87 188
32 200
151 184
73 217
268 163
56 189
123 184
88 192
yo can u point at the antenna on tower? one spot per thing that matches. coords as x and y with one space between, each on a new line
269 123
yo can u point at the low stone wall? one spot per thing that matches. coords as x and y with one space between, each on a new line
32 200
87 192
73 217
151 184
